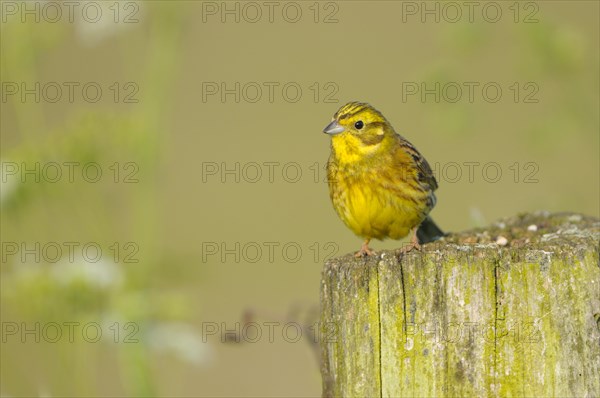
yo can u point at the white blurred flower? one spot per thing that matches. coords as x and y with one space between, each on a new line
180 340
101 274
98 20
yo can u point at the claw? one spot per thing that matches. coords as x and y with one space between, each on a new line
414 244
365 250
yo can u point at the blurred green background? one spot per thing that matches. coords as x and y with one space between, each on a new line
190 249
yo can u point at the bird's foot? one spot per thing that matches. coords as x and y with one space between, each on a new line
410 247
364 251
413 245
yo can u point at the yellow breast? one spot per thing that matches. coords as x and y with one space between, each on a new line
373 201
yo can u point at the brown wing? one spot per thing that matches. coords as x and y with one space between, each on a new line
424 173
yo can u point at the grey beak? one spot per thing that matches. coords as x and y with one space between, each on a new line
334 128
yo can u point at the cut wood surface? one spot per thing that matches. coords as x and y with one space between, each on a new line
509 310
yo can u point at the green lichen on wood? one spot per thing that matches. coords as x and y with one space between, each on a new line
470 315
355 364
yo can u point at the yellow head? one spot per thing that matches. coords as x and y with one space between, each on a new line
358 131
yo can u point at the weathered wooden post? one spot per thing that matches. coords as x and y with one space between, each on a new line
511 310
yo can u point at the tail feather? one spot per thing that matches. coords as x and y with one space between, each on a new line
428 231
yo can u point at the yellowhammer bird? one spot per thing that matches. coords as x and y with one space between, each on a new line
380 185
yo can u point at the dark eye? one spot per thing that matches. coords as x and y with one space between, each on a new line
359 125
